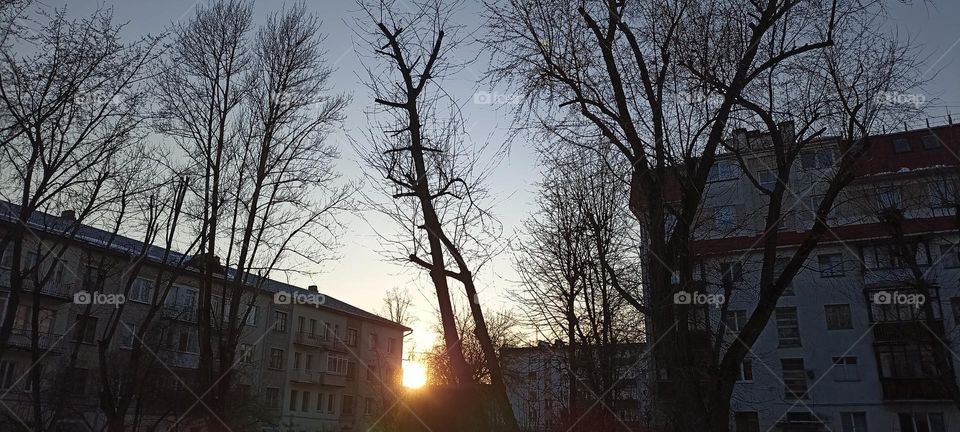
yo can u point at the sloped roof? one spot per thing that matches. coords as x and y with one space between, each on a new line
66 228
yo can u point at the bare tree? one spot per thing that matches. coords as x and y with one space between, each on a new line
434 179
665 83
251 115
71 103
396 306
504 330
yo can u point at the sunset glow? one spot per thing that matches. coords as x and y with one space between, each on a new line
414 374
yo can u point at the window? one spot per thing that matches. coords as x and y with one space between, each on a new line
86 329
273 397
308 365
795 378
831 265
887 256
280 321
296 359
181 302
331 402
906 360
921 422
724 217
276 358
816 159
183 340
305 403
246 353
955 305
746 421
721 171
351 371
319 402
368 406
949 256
779 265
93 278
293 400
888 197
390 345
142 290
371 372
352 337
845 369
942 197
336 364
372 341
301 325
327 333
838 317
128 334
735 320
347 408
767 179
853 421
901 145
731 272
746 371
930 142
788 328
313 327
8 374
251 315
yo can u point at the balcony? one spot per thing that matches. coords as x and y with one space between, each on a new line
331 379
318 341
304 376
899 331
21 338
180 313
56 291
913 389
178 359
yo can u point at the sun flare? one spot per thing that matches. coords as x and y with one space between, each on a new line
414 374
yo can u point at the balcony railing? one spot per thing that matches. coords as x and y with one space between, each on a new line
331 379
178 359
180 313
304 376
21 338
899 331
913 389
319 341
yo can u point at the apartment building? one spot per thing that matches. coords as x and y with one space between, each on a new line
538 385
853 343
306 361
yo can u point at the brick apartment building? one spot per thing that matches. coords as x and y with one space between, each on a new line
849 348
318 367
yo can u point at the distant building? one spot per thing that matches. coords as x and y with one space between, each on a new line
538 384
306 361
849 349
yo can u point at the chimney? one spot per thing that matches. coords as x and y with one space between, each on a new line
313 288
68 215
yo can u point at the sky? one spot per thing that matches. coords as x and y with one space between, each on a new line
363 273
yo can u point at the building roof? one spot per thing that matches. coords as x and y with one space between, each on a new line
69 229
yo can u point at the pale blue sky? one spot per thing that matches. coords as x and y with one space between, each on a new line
362 275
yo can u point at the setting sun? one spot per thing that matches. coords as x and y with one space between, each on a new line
414 374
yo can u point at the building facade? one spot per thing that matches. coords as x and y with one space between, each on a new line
864 339
305 361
